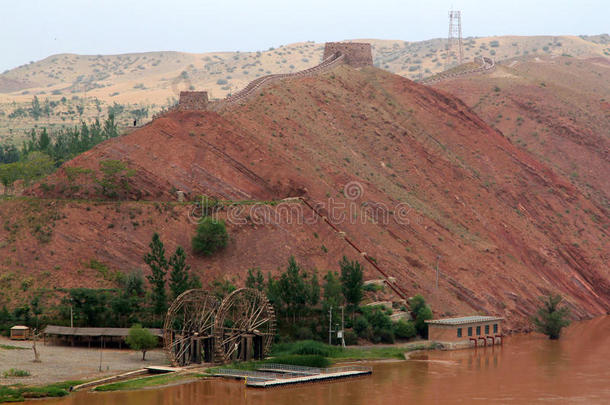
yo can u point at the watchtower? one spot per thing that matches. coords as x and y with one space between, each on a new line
357 54
193 100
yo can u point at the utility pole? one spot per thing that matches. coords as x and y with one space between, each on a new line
343 326
101 350
438 258
330 325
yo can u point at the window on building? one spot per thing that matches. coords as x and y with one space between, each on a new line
478 331
470 331
459 332
487 329
495 328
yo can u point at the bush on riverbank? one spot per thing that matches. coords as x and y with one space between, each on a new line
17 393
305 347
308 360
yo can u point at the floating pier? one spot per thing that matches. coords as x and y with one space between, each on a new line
275 375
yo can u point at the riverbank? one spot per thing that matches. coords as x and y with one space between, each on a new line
63 367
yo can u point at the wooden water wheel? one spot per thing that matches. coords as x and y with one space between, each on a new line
244 327
188 327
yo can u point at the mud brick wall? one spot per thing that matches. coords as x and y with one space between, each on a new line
193 100
357 54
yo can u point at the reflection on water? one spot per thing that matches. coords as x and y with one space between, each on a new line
525 370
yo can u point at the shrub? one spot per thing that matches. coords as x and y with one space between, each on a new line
551 318
14 372
141 339
373 287
303 333
311 347
384 336
211 236
302 360
379 320
360 325
420 312
221 81
350 338
404 329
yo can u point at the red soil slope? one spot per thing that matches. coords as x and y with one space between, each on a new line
558 109
507 228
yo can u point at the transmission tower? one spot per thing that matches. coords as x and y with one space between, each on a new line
455 36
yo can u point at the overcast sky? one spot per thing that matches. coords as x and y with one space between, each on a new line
34 29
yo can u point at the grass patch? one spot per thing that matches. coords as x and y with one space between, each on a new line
353 353
310 347
145 382
15 372
17 393
11 347
305 347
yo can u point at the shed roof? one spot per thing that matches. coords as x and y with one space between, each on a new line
68 331
464 320
19 327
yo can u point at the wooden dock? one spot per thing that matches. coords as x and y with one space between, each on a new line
276 375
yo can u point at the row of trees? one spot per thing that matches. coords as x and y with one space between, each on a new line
304 306
42 152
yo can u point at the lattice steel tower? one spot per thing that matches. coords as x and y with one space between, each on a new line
455 36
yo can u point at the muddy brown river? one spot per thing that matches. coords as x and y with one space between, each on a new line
527 369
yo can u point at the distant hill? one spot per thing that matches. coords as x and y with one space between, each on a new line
81 87
555 107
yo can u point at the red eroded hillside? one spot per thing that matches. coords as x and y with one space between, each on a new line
556 108
410 174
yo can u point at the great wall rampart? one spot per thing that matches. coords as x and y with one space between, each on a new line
354 54
485 64
335 53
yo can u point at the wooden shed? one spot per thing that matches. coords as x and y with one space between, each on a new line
20 332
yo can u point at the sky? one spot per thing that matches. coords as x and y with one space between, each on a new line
31 30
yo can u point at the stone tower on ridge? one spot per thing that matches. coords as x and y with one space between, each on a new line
357 54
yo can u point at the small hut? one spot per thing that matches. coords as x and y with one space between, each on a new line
20 332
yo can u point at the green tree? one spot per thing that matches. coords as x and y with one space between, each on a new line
9 174
110 127
127 307
36 109
115 178
293 290
420 312
35 166
255 279
404 329
141 339
210 237
332 297
179 280
314 290
333 292
351 281
551 318
44 141
157 262
221 288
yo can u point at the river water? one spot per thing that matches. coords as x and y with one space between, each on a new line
527 369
